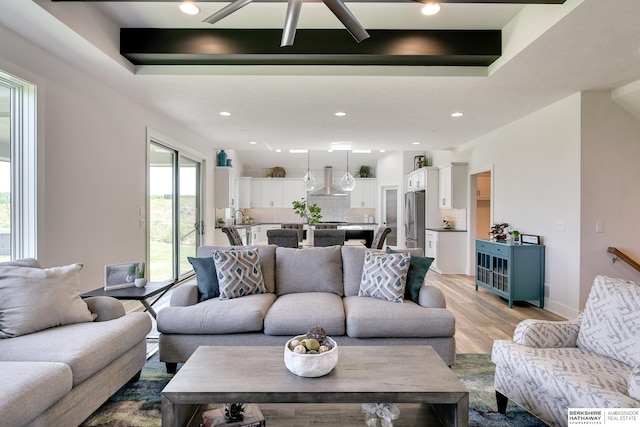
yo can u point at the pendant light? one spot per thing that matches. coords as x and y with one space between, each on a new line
347 182
308 180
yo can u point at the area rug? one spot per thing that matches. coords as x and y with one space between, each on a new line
138 404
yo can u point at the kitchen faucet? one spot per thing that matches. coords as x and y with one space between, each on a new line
234 216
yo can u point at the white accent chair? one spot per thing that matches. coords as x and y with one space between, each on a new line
592 361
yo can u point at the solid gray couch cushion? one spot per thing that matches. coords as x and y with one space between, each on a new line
85 347
29 388
375 318
295 314
266 255
309 270
352 262
216 316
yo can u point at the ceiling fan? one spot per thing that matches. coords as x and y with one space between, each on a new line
339 9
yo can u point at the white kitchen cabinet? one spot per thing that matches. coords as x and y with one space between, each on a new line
364 195
416 180
275 192
452 184
257 235
448 249
225 187
244 192
292 190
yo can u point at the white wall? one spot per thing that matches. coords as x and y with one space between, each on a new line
92 148
535 163
610 193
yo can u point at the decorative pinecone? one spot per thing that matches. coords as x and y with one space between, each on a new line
317 333
234 412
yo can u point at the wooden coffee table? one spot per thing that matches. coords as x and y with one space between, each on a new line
414 376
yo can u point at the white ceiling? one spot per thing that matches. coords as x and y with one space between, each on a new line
549 52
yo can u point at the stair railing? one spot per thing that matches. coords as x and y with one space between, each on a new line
618 254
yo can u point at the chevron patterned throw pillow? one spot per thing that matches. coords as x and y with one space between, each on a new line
384 275
239 273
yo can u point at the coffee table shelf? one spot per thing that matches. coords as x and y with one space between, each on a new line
414 376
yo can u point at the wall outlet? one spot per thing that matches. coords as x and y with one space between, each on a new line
142 223
599 226
560 226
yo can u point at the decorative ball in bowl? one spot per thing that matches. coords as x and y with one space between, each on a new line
317 361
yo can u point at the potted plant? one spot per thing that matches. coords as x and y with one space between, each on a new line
311 213
364 171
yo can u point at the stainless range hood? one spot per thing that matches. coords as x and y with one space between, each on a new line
329 189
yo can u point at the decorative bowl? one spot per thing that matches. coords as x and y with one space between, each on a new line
311 365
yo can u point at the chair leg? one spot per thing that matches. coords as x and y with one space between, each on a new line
502 401
171 367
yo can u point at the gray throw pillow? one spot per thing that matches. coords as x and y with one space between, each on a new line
239 273
33 299
24 262
384 275
316 269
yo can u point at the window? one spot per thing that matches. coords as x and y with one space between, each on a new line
17 168
175 225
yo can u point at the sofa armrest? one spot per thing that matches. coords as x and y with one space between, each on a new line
547 333
105 308
634 383
431 297
185 295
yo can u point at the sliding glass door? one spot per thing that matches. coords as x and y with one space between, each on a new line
175 225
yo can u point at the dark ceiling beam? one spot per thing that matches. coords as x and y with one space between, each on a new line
152 46
350 1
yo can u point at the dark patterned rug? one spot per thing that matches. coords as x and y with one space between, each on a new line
138 404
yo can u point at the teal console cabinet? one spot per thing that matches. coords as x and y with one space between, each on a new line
513 271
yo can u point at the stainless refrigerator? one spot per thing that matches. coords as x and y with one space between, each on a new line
414 216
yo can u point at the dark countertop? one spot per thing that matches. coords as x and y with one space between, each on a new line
339 224
446 230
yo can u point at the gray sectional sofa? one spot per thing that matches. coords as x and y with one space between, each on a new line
303 288
58 376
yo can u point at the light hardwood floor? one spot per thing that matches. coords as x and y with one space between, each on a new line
481 316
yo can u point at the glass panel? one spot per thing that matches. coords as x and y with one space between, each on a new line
189 219
162 251
5 174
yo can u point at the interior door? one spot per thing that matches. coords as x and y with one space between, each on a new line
390 212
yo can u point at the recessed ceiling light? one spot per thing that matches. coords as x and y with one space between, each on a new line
415 143
278 150
225 113
252 142
298 151
382 151
189 8
361 151
457 114
341 114
431 8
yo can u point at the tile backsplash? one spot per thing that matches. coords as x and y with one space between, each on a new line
457 218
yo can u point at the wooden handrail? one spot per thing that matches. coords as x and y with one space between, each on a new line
621 255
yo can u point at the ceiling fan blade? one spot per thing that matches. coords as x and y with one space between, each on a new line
342 12
226 11
291 22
